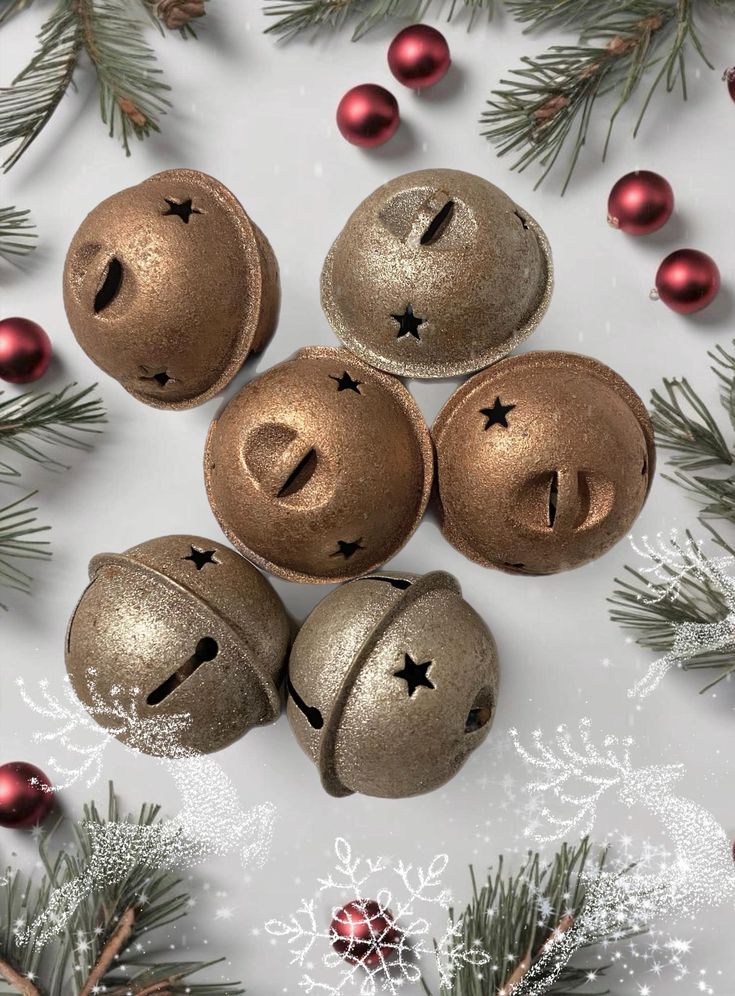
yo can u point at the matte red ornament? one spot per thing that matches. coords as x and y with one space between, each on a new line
26 795
363 932
368 115
25 351
729 78
687 280
640 203
419 56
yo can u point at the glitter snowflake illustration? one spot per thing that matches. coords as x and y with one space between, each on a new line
392 958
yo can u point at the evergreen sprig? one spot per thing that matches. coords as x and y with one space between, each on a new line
17 232
654 610
132 91
547 105
512 917
687 428
295 16
100 948
18 530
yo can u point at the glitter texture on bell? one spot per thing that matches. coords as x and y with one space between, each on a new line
320 468
184 628
393 682
437 273
544 462
169 286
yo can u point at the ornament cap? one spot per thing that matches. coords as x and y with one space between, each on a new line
437 273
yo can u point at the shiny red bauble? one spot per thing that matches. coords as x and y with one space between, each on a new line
687 280
25 351
364 933
368 115
419 56
26 795
640 203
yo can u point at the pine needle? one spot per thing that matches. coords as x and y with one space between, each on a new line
17 529
17 233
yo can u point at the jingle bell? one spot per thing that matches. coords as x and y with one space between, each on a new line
437 273
393 681
184 638
320 468
169 286
543 462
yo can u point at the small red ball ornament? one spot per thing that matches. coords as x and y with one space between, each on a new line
687 280
368 115
363 932
25 351
26 795
640 203
419 56
729 78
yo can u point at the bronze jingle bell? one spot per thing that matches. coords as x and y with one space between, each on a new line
437 273
169 286
544 462
186 637
320 468
392 682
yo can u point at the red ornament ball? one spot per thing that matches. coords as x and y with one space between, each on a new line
368 115
26 795
729 78
419 56
640 203
25 351
363 932
687 280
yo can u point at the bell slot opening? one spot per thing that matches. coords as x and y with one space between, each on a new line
313 716
436 228
401 583
300 475
206 650
644 468
522 220
481 711
110 286
553 498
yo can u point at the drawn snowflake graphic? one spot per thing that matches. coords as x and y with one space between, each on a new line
394 957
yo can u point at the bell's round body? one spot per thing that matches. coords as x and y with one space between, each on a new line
186 638
543 462
320 468
437 273
393 681
169 286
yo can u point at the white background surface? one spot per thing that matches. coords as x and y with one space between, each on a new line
260 117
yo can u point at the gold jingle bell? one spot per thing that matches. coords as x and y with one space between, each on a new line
543 462
169 286
437 273
320 468
185 639
392 683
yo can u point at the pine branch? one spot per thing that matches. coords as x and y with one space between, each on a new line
17 527
296 16
654 610
548 104
512 917
30 423
17 233
685 426
105 933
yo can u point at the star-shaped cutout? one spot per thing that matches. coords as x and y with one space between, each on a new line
346 549
200 558
414 674
346 383
497 414
409 323
162 378
181 209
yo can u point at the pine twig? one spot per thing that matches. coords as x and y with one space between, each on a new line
118 942
30 423
296 16
22 984
548 103
17 527
17 232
